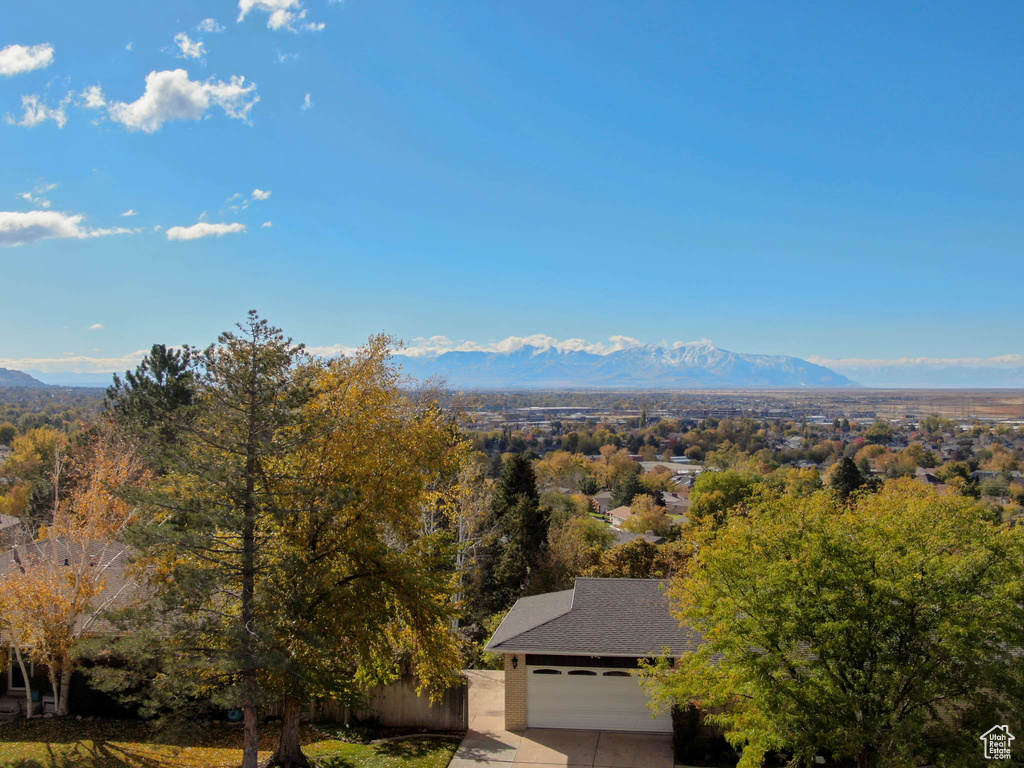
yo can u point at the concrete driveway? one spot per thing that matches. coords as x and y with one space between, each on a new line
488 745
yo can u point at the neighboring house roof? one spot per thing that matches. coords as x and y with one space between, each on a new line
118 588
624 537
598 617
675 502
605 495
7 521
622 513
671 466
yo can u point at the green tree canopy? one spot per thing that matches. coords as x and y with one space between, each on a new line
640 559
625 491
285 545
844 478
517 531
879 433
882 631
147 403
715 493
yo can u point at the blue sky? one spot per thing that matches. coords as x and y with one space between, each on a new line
827 180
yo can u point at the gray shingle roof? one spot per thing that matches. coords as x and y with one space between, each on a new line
624 537
598 617
118 588
531 612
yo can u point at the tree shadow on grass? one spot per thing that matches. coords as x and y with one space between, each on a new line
333 762
411 749
99 754
116 744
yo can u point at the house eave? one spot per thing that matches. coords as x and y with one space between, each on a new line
583 652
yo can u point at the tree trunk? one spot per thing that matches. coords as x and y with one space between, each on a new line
249 682
289 750
28 682
864 759
63 704
55 686
250 743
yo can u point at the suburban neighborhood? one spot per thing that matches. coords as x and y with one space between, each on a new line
566 592
517 384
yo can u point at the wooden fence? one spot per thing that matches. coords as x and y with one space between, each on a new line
397 705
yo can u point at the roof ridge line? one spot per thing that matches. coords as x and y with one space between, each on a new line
558 616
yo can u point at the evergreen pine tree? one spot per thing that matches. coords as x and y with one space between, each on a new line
518 529
846 478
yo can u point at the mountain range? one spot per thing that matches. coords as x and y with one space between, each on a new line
11 378
698 365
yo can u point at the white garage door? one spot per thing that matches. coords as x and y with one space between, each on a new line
589 698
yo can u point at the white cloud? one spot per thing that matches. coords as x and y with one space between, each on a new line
75 363
307 103
257 194
130 212
203 229
97 327
189 48
93 98
854 363
18 228
128 47
16 59
209 25
266 225
284 14
42 202
171 95
37 113
332 350
36 195
680 344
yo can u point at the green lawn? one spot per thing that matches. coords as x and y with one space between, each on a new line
77 744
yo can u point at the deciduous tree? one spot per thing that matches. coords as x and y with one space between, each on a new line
715 493
287 549
58 586
883 631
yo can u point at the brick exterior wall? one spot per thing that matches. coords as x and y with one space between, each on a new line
515 693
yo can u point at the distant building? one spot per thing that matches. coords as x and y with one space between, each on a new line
619 515
675 504
10 531
603 500
624 537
